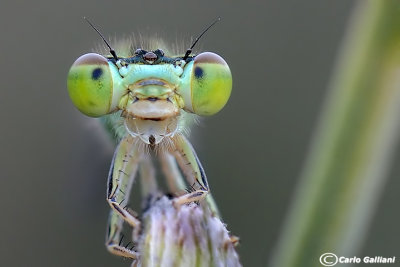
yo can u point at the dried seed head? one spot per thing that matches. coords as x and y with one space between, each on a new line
186 236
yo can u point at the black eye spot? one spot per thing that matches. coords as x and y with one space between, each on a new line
96 74
198 72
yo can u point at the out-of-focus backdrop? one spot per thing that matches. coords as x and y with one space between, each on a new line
54 160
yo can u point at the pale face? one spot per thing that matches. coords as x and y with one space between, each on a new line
150 89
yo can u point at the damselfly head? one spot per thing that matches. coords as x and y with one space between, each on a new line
150 88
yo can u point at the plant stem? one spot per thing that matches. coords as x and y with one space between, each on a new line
354 143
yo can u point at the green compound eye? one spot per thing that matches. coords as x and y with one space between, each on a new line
211 84
90 85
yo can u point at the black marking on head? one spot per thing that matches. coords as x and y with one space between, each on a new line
159 52
198 72
139 59
96 74
140 52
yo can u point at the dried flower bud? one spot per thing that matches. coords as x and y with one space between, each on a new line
183 237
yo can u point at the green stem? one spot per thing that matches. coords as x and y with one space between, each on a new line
354 143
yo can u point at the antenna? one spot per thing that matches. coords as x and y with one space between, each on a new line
198 38
112 52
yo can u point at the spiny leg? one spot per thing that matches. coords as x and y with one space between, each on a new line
191 167
120 179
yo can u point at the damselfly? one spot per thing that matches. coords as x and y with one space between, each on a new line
151 94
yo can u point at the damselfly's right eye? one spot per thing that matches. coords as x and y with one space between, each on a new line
210 84
90 85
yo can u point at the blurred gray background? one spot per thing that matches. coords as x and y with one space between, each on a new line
54 160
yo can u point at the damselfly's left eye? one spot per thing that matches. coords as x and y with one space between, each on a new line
90 85
210 85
